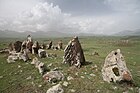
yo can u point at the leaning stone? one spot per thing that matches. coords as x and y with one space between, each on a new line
55 89
73 53
115 69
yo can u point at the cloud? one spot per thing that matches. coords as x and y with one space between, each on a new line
49 17
42 17
131 6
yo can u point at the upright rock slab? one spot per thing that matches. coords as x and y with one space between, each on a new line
115 69
73 53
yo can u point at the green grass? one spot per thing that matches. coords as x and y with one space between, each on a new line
14 78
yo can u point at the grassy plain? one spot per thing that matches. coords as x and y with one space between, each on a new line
13 79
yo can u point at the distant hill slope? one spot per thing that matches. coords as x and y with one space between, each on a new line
38 34
41 34
128 33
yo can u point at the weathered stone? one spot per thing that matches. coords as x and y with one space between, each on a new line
53 76
39 65
35 48
114 69
41 53
60 44
50 45
24 56
12 58
55 89
73 53
4 51
16 46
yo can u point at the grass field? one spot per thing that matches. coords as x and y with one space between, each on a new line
14 79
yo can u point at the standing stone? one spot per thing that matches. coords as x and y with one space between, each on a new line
73 53
35 48
50 45
29 43
114 69
16 46
60 44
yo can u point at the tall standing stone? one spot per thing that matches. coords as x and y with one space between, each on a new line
73 53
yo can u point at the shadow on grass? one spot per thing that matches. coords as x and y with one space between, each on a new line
86 63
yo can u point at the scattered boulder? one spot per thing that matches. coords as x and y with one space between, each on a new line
41 53
114 69
12 58
24 56
53 76
39 65
4 51
73 53
55 89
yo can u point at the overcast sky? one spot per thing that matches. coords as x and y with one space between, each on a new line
70 16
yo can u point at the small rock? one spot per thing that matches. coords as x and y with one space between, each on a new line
92 75
50 65
139 90
53 76
125 92
98 90
39 86
114 88
19 66
55 89
82 77
1 77
65 84
28 77
95 66
76 73
72 90
21 71
69 78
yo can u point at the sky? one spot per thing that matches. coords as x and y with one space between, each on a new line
70 16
